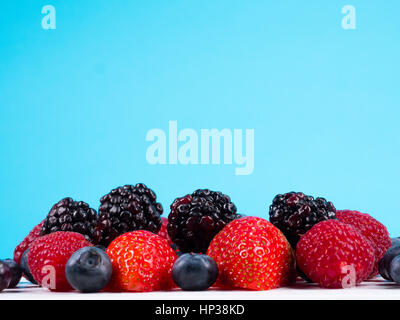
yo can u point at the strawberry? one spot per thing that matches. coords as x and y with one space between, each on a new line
375 232
142 261
251 253
48 256
32 236
335 255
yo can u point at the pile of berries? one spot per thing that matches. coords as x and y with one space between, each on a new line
334 248
204 242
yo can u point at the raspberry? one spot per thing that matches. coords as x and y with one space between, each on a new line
335 255
371 229
54 250
253 254
163 233
295 213
32 236
142 261
196 218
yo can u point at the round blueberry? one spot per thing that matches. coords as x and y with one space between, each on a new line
25 268
382 270
394 269
5 276
89 269
194 272
395 242
16 272
387 259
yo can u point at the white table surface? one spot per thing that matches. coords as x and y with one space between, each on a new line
377 289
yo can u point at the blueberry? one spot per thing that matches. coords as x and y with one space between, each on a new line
16 272
25 268
89 269
5 276
395 242
194 272
382 270
101 247
384 264
394 269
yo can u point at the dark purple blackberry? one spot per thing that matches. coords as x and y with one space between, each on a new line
195 219
126 209
295 213
70 215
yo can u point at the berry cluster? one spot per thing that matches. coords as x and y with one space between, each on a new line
204 242
126 209
195 219
70 215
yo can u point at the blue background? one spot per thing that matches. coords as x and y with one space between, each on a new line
76 102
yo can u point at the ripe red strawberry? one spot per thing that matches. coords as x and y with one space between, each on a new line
142 261
335 255
251 253
32 236
48 256
371 229
163 233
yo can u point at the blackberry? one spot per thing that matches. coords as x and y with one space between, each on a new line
195 219
295 213
126 209
70 215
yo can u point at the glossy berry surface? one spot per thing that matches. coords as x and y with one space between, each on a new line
16 272
89 269
163 230
5 276
142 261
296 213
371 229
394 269
24 245
335 255
25 268
395 242
48 256
251 253
384 263
195 219
382 271
126 209
70 215
194 272
163 233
